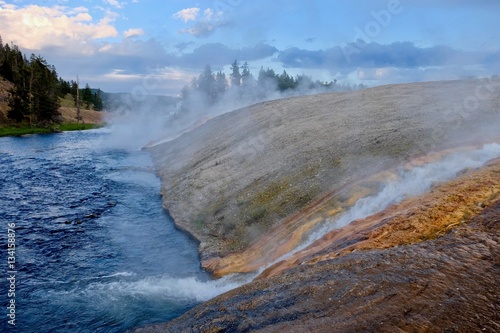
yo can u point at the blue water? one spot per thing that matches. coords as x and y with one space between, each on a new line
95 251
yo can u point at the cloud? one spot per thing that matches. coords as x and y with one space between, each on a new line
353 56
219 55
34 27
114 3
205 26
135 60
188 14
184 45
158 80
133 33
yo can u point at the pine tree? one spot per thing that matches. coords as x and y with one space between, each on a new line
87 97
245 73
247 80
18 104
235 74
1 51
74 91
206 84
64 87
285 81
221 83
43 87
97 101
185 96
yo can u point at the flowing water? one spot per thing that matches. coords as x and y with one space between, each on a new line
95 251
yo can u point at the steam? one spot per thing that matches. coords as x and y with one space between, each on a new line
164 287
409 183
133 125
116 291
145 120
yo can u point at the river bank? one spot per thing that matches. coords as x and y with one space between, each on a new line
447 284
24 130
68 118
251 184
255 184
428 263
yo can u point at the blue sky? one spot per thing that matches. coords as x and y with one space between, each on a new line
158 46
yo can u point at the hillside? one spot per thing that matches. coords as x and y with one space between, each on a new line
253 184
4 99
250 183
67 110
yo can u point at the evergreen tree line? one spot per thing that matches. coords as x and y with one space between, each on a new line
89 98
37 88
210 87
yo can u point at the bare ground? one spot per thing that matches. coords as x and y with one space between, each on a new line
450 284
88 116
428 264
265 170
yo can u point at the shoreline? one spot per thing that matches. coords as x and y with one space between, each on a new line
307 159
239 176
360 185
68 127
439 282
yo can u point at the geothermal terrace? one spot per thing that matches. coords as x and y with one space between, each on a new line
261 189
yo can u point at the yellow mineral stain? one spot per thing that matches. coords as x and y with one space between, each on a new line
416 219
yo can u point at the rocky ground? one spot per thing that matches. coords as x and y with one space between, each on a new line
445 284
416 219
249 184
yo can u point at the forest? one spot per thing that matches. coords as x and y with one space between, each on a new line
35 96
212 88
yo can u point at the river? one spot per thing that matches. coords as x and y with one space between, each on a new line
95 250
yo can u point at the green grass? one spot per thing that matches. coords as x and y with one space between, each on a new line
77 127
23 130
67 101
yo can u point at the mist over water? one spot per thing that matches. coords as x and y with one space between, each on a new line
142 120
96 252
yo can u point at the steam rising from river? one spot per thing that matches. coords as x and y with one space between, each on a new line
134 130
160 287
138 121
410 182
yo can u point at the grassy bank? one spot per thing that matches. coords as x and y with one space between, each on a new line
23 130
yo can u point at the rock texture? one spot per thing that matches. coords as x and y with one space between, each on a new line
250 184
415 219
450 284
430 263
